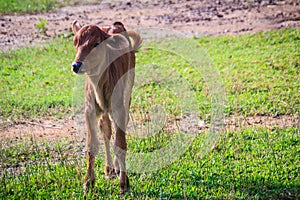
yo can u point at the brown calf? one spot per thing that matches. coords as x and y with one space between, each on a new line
107 57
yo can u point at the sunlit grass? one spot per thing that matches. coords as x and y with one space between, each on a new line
260 76
250 164
29 6
260 73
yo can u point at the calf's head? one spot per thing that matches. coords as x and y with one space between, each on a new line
86 39
95 48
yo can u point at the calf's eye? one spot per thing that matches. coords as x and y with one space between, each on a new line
95 45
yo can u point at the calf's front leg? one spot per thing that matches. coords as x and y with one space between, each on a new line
92 145
105 130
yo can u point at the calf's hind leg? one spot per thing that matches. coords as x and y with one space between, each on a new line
120 149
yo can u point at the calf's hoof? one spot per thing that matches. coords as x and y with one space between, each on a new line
124 183
89 183
109 173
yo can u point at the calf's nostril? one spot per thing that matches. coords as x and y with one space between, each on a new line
77 64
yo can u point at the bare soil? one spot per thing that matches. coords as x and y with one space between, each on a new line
68 129
202 17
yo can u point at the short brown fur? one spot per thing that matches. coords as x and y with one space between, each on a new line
98 98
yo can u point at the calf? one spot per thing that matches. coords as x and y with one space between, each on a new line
107 57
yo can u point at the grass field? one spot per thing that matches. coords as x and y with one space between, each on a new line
260 73
250 164
29 6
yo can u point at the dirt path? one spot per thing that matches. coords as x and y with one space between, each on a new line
66 129
201 17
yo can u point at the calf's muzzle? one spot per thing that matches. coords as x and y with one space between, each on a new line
76 66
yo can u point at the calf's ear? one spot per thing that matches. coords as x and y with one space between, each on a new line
118 42
75 26
117 46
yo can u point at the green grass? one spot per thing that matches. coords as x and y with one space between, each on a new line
261 71
252 164
36 82
29 6
260 74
